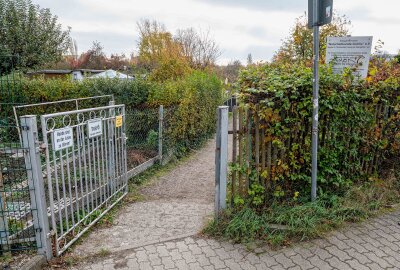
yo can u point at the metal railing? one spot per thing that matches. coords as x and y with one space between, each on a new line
59 106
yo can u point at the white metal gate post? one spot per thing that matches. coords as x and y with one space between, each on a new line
160 132
221 159
30 142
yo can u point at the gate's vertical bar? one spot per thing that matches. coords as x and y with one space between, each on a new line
160 132
221 159
124 139
111 131
30 142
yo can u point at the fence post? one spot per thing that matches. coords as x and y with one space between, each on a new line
160 132
30 142
221 159
4 244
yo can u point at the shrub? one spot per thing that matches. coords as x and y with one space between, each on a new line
359 124
193 100
196 98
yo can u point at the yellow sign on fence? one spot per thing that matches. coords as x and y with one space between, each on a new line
118 121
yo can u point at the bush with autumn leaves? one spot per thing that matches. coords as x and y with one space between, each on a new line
359 131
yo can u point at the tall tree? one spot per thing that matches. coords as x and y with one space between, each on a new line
249 59
32 33
96 58
199 48
159 52
298 47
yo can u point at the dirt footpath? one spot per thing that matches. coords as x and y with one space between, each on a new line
175 205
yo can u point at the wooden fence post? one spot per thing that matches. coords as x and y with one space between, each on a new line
160 132
221 159
234 153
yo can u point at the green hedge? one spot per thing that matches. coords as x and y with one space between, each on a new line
359 128
193 100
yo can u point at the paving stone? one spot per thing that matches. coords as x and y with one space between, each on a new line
284 261
231 264
167 262
354 264
300 261
217 262
358 256
338 243
335 251
382 263
337 263
318 263
268 260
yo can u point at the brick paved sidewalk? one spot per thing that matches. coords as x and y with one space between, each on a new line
371 245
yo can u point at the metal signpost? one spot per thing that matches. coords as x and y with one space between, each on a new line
319 13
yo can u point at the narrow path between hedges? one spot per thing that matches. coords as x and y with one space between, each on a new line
175 205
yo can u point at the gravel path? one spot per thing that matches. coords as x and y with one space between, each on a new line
176 205
191 182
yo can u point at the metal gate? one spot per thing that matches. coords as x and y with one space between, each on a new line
85 175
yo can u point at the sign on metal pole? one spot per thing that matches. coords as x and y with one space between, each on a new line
319 13
324 11
349 52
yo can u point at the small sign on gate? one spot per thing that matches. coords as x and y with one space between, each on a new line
62 138
95 128
118 121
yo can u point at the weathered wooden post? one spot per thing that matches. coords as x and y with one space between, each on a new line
160 132
221 159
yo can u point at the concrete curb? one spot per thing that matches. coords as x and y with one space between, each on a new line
36 263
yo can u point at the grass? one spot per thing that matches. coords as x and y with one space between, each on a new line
283 224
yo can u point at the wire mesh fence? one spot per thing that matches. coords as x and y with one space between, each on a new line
16 212
142 130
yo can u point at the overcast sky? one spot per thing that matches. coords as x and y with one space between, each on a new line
239 26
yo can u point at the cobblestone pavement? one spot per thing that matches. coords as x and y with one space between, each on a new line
371 245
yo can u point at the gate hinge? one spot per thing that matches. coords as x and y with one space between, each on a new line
51 233
42 145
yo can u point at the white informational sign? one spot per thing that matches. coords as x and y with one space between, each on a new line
62 138
349 52
95 128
